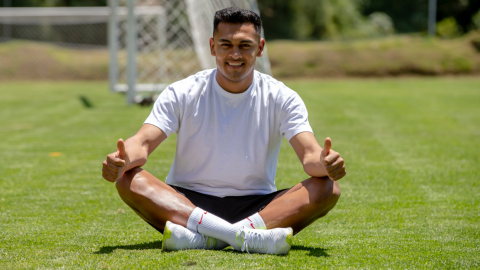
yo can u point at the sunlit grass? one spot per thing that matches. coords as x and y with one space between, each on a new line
411 198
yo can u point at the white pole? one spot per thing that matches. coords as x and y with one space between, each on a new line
201 46
162 44
131 51
432 17
265 64
113 44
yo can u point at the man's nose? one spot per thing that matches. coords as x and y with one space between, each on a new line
235 54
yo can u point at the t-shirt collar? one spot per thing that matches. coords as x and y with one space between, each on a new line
229 95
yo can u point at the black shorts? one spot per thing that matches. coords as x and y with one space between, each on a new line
230 208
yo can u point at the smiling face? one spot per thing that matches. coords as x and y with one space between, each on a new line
236 47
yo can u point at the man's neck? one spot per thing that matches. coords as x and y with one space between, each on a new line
234 87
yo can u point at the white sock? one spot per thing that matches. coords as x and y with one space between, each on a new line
210 225
254 221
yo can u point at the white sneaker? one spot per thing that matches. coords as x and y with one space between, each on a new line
274 241
177 237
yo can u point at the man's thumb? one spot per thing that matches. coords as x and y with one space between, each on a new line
327 145
121 149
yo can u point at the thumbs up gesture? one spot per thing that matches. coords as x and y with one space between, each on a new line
116 163
334 164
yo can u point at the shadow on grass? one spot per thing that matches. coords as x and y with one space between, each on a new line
151 245
316 252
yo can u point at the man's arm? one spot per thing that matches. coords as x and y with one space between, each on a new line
133 152
318 162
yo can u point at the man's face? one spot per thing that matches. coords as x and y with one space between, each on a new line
235 47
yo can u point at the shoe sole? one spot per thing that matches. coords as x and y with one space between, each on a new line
166 235
289 240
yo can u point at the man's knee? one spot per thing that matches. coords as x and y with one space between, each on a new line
327 192
132 182
335 195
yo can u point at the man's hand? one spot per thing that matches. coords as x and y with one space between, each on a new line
332 161
116 163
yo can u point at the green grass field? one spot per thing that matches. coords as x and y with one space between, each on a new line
411 198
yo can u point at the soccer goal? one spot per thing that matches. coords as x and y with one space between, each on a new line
155 42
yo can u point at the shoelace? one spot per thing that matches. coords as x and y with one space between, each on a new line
251 239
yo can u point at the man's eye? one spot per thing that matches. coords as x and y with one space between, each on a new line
226 45
246 46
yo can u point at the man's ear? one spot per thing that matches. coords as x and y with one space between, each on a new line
261 46
212 47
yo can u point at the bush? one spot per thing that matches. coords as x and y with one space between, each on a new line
448 28
382 23
476 20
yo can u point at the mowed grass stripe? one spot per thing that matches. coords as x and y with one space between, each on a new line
408 141
410 199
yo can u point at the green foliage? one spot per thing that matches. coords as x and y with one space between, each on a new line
407 16
386 56
476 20
412 15
313 19
448 28
410 200
277 18
462 10
320 19
391 56
382 23
325 18
32 60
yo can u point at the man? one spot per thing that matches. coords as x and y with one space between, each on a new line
229 122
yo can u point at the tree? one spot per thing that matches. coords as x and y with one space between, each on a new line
412 15
309 19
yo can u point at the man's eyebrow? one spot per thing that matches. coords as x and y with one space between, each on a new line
242 41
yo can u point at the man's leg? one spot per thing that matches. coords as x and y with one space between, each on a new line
302 204
153 200
157 203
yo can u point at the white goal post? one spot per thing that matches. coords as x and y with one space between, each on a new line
153 43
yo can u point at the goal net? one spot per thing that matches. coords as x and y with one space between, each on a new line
27 33
155 42
73 26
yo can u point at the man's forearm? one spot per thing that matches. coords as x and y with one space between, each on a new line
137 153
313 167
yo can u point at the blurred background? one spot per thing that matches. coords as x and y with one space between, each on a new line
323 38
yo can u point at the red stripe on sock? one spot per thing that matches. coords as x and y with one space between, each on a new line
251 224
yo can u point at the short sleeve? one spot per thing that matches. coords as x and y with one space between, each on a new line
294 117
166 112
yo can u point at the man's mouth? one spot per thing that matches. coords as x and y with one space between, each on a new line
235 64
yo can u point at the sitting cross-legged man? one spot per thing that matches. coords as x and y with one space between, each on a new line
229 122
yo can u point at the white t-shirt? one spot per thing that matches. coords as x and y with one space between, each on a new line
228 144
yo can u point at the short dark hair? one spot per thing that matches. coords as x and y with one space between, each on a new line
237 15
